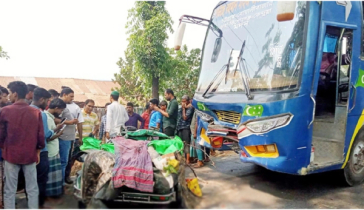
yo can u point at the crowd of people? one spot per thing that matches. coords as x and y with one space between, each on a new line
40 131
172 119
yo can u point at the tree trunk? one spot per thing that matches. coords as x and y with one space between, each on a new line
155 87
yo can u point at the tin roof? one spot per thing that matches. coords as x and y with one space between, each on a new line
84 89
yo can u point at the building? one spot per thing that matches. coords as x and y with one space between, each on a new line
84 89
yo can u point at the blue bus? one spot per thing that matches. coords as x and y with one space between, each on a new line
282 84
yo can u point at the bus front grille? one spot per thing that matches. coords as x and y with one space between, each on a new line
228 116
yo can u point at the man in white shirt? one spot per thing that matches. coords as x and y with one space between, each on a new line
116 116
76 112
68 137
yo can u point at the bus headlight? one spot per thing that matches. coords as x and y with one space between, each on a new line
204 116
265 125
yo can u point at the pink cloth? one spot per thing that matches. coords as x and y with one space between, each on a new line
133 165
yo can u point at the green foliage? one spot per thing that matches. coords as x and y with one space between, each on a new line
186 69
147 57
3 54
132 87
148 24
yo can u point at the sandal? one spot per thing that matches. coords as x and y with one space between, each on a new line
213 153
193 160
199 164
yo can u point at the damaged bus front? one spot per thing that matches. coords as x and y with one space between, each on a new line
263 89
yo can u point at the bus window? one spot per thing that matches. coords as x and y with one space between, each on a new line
344 73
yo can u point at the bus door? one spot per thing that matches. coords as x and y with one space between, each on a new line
334 93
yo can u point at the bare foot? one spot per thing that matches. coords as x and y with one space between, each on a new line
193 160
212 153
199 164
67 190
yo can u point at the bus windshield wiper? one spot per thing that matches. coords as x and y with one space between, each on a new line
245 80
218 74
244 72
240 54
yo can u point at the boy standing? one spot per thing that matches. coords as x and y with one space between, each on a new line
21 147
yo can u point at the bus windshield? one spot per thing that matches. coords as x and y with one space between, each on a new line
257 51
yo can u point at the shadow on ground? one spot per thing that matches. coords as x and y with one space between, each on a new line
233 184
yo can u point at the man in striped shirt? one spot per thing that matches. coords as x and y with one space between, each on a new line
91 123
90 126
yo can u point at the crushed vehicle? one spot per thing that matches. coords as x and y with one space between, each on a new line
146 167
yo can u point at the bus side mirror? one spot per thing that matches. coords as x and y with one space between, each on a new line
285 10
179 36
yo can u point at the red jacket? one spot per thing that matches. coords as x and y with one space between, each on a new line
146 117
21 133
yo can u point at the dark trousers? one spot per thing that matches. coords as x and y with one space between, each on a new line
42 176
208 150
169 131
185 135
75 148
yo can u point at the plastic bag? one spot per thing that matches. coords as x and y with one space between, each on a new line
167 146
143 134
109 147
194 187
169 179
162 161
90 143
153 154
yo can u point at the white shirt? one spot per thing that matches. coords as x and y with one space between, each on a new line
115 118
75 110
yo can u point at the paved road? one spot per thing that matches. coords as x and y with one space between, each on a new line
233 184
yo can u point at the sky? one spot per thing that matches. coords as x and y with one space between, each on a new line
78 39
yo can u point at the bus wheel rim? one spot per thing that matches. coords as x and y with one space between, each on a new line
358 158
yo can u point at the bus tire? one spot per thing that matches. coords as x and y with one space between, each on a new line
354 169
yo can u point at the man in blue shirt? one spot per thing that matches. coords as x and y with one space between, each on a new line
155 121
40 101
156 117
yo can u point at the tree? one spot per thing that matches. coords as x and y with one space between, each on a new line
186 69
148 23
3 54
132 87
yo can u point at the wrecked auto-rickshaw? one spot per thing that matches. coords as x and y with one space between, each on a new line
145 167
